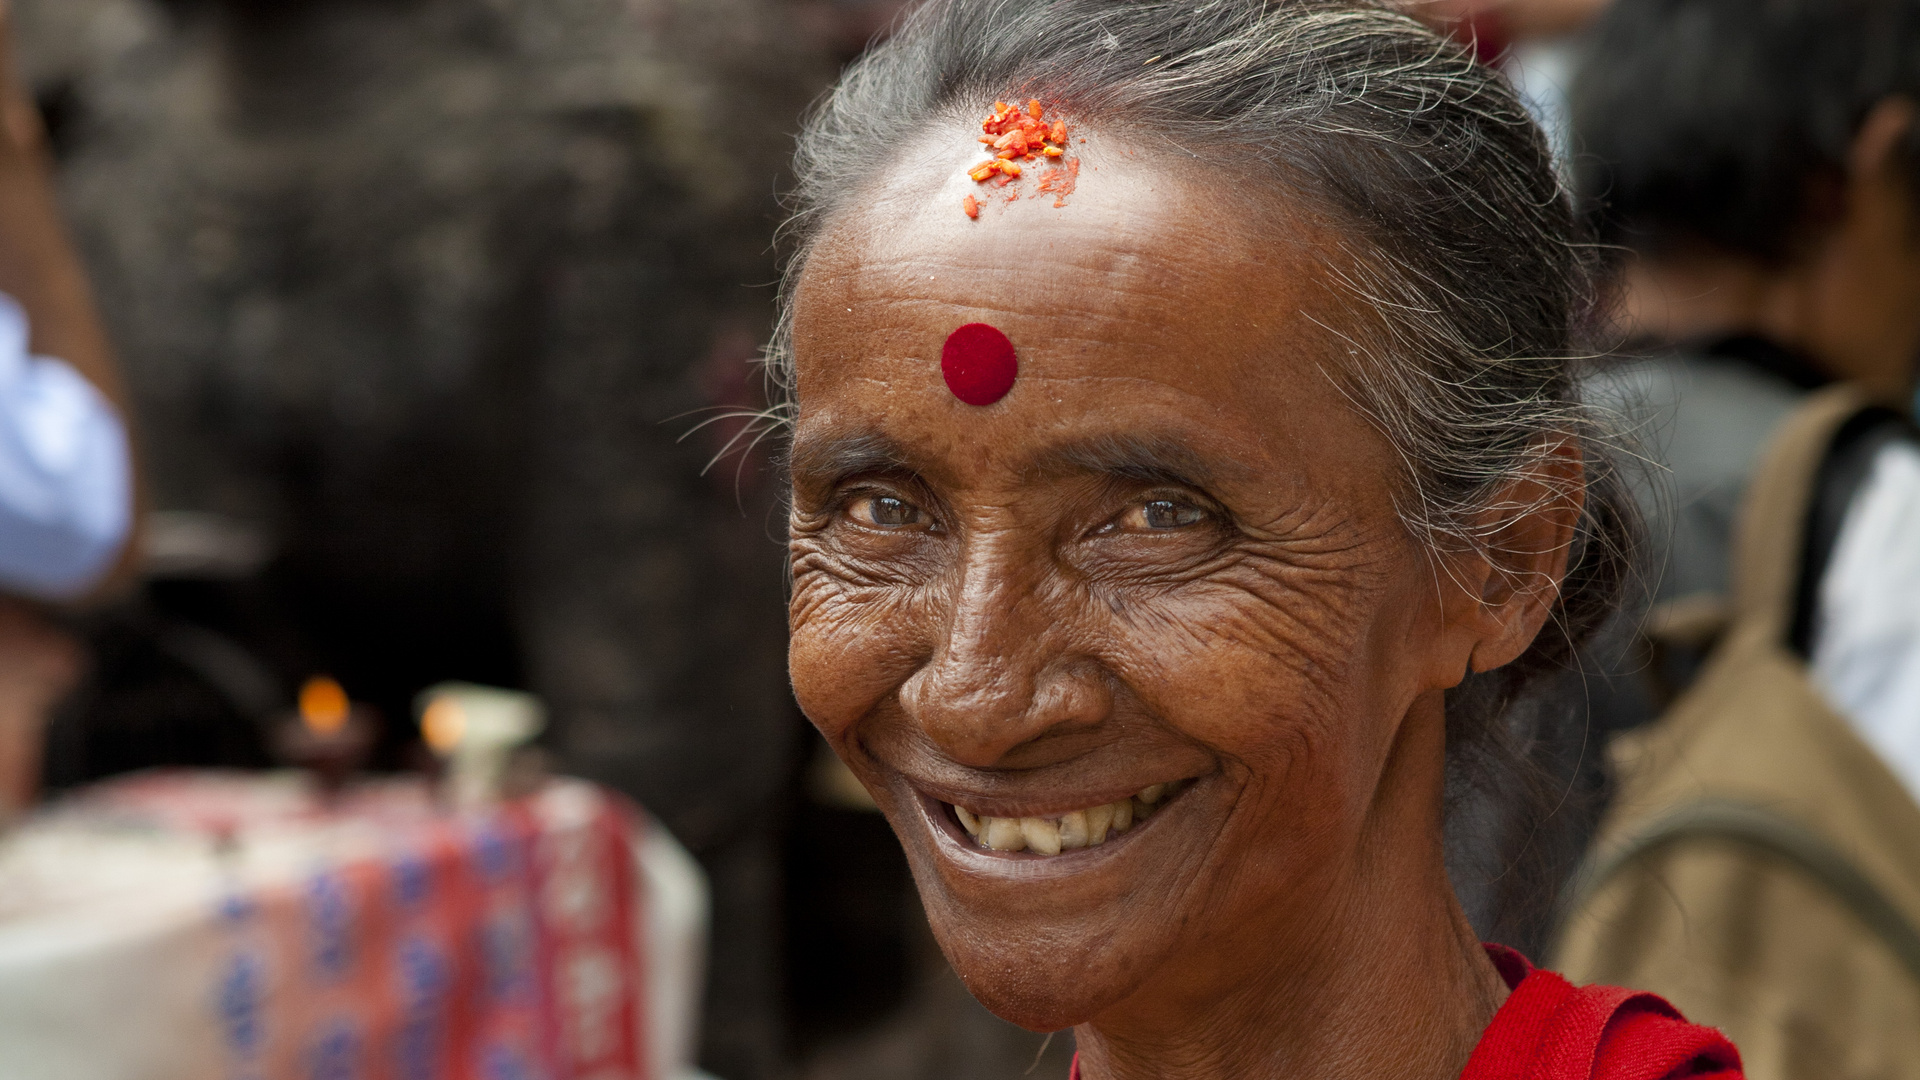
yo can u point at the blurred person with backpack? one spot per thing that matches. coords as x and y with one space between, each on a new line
1759 166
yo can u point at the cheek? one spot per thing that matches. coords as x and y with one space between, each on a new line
848 652
1298 675
1286 638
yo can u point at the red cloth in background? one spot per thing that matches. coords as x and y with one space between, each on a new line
1485 32
1550 1029
380 935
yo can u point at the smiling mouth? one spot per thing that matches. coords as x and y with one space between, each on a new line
1086 828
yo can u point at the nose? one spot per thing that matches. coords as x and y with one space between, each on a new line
1003 672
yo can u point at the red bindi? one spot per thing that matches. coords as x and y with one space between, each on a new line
978 364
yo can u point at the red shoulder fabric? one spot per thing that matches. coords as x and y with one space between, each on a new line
1550 1029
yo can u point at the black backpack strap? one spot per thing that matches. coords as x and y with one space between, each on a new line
1848 463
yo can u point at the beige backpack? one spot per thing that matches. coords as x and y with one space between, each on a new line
1759 865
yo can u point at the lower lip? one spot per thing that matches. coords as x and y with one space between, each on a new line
966 851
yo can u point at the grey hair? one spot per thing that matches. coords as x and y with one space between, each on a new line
1466 272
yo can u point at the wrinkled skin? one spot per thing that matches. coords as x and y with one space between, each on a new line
1171 553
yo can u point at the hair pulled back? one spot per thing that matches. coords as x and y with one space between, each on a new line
1464 264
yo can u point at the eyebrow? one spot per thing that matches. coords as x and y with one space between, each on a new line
832 459
1137 458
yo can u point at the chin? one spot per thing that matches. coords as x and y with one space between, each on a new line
1043 974
1049 941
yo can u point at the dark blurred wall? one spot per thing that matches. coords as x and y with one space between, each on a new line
426 292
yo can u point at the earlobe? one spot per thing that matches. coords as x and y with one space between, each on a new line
1529 531
1876 145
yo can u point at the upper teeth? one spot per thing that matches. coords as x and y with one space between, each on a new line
1051 836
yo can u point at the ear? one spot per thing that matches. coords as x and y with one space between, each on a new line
1503 590
1874 154
1866 269
1877 195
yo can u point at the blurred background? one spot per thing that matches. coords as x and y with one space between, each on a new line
437 320
420 304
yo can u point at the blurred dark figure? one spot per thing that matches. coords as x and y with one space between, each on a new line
1756 164
1757 168
1760 165
1760 162
417 299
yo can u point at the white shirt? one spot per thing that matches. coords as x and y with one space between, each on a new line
66 485
1866 640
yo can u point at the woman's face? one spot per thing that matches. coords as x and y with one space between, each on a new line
1169 556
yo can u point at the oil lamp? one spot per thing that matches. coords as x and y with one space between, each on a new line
329 734
479 732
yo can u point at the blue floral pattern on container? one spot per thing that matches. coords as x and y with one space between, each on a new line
241 992
506 948
507 1063
494 854
330 925
335 1053
425 975
412 881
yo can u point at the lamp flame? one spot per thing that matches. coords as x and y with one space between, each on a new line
443 724
323 705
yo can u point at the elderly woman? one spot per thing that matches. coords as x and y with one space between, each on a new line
1186 467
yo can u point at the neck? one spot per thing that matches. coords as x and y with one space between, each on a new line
1822 306
1381 977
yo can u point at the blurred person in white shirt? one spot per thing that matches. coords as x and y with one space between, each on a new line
66 470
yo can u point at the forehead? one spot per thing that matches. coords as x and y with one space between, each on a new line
1150 304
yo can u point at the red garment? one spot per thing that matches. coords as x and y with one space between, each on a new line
1550 1029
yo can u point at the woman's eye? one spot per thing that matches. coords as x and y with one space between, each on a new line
1161 514
885 511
